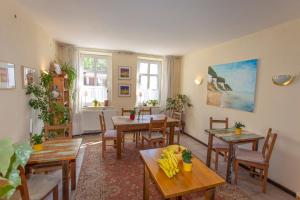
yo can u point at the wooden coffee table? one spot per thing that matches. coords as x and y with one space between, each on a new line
201 178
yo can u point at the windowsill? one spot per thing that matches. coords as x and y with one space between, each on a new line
95 109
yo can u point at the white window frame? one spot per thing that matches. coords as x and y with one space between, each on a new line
97 55
149 62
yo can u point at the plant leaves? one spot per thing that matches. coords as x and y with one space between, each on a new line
6 152
22 152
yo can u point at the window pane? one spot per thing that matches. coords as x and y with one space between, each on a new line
101 79
153 69
143 68
88 78
144 82
88 63
153 83
101 65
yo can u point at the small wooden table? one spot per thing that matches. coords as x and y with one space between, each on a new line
124 124
201 178
229 136
60 150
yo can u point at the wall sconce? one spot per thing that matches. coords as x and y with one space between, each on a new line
198 80
283 80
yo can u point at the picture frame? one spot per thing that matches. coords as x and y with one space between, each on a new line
124 90
28 76
124 72
7 75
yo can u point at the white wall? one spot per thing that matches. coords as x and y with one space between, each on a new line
22 42
278 52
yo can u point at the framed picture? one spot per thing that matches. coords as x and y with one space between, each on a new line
124 90
124 72
28 76
7 75
233 85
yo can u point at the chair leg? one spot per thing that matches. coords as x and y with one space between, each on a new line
142 143
264 186
217 160
136 139
236 168
178 137
55 193
225 156
134 136
103 147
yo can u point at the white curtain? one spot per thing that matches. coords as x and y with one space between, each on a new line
170 80
70 54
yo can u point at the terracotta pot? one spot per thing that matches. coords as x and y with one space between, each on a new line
132 117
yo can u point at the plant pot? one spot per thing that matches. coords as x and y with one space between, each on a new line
38 147
187 167
238 131
132 117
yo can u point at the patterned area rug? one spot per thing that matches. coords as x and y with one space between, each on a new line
109 178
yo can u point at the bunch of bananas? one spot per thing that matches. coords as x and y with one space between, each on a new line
169 163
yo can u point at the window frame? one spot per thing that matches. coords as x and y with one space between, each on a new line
158 75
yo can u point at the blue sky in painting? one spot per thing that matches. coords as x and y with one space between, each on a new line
240 76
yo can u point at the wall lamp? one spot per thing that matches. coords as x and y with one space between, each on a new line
284 80
198 80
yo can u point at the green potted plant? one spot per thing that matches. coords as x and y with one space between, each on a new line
152 102
95 103
187 160
238 127
177 103
12 156
132 114
37 141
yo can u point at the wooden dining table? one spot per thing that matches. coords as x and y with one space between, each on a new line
141 123
232 139
201 178
63 151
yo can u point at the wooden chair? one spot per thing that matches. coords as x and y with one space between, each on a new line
37 187
218 145
156 134
107 134
256 159
135 135
146 111
178 129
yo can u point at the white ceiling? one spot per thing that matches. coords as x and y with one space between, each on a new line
165 27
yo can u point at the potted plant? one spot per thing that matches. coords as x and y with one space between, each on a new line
37 140
187 160
152 102
238 127
12 156
95 103
132 114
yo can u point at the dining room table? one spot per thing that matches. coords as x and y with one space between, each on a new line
64 152
201 178
140 123
229 136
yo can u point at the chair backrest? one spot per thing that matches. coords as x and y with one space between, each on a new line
158 126
102 122
269 145
146 111
125 112
218 121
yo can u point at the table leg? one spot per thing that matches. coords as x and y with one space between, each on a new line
210 194
73 174
65 179
209 149
146 183
119 141
229 163
171 138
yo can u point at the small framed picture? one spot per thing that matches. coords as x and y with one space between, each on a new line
124 72
28 76
7 75
124 90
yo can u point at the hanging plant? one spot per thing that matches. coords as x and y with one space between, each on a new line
68 69
177 103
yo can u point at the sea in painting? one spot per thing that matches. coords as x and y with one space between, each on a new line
232 85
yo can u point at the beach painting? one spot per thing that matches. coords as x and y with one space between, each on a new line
232 85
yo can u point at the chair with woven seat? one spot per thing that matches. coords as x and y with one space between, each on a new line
107 134
218 145
255 159
177 129
37 187
156 134
135 136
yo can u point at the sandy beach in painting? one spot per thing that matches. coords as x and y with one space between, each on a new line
214 98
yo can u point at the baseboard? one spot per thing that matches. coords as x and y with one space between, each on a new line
281 187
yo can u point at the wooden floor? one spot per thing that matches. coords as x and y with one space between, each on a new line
249 185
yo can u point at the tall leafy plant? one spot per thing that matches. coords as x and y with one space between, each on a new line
177 103
12 156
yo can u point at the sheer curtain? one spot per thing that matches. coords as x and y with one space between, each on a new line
170 80
70 54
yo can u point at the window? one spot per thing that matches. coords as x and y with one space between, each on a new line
96 78
148 80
